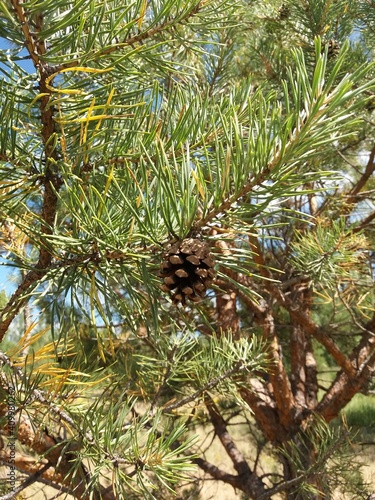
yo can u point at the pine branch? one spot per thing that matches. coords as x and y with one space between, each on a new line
278 376
303 368
35 47
365 223
265 412
18 300
344 387
284 486
141 37
238 367
57 454
299 315
38 394
60 456
313 329
246 480
31 279
221 431
29 481
51 180
369 170
217 473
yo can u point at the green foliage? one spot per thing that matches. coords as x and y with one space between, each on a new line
331 254
147 122
360 412
333 461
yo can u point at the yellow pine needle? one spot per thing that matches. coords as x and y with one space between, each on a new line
323 295
68 377
106 106
106 189
26 341
85 126
85 121
47 351
95 302
63 146
82 69
138 200
92 118
199 185
39 96
131 229
57 372
227 169
142 13
109 180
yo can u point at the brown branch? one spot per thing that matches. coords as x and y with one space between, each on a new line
33 47
369 170
284 486
345 387
59 455
278 376
263 405
341 392
303 368
252 488
303 365
145 35
18 300
364 223
365 347
297 363
216 473
34 477
313 329
30 281
51 180
311 374
238 460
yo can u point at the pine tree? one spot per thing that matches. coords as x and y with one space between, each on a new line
186 191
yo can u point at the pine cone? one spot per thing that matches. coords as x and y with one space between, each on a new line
187 270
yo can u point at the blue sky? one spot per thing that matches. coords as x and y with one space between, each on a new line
26 64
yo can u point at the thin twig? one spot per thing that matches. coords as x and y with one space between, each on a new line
165 378
38 394
239 463
239 366
30 480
